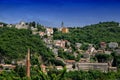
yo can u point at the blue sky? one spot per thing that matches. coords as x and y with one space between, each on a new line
52 12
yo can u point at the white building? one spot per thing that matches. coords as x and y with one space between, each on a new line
78 45
10 25
59 43
113 45
49 31
22 25
1 25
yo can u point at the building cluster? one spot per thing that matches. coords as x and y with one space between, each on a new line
83 64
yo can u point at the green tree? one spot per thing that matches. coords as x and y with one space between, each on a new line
103 57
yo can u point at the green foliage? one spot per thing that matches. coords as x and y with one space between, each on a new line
103 57
40 27
20 70
78 57
9 75
53 75
32 24
103 31
65 55
56 62
14 44
84 46
92 75
35 59
116 59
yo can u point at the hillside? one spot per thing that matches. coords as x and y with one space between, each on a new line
103 31
14 44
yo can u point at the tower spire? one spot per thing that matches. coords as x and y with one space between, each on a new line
62 24
28 64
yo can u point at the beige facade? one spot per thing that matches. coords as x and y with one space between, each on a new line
49 31
93 66
65 30
59 43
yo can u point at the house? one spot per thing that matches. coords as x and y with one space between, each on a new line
78 45
34 29
86 55
103 45
50 46
61 59
59 67
59 43
70 61
83 60
42 33
47 41
21 25
65 30
113 45
108 52
43 68
55 51
100 51
69 67
1 25
69 50
49 31
7 66
22 62
91 50
10 25
34 32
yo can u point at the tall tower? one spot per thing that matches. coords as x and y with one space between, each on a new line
28 64
62 24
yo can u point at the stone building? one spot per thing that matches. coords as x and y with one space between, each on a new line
93 66
21 25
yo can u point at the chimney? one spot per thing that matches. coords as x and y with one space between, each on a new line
28 64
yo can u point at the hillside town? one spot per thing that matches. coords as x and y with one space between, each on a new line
86 62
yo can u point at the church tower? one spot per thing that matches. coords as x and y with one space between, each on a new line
28 64
62 24
63 28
